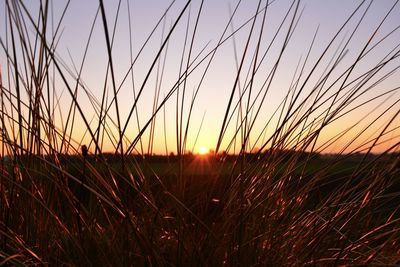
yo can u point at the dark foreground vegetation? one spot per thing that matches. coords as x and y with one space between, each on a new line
275 198
209 210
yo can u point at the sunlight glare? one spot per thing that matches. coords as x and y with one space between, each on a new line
203 150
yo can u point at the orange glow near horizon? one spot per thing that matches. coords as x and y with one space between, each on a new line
203 150
346 117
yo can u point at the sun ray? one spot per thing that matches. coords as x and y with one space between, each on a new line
203 150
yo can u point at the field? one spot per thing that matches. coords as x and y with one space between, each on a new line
318 210
163 143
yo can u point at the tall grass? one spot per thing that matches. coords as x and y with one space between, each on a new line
267 195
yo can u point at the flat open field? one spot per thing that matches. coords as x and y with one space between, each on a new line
199 133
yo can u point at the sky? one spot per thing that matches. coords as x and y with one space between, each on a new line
134 22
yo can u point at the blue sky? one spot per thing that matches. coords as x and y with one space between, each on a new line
213 96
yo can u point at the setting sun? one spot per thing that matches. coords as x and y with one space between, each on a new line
249 133
203 150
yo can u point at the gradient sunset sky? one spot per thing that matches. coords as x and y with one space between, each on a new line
135 22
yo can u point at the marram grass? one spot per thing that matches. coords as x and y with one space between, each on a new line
267 195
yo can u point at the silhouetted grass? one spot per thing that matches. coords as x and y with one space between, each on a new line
268 196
